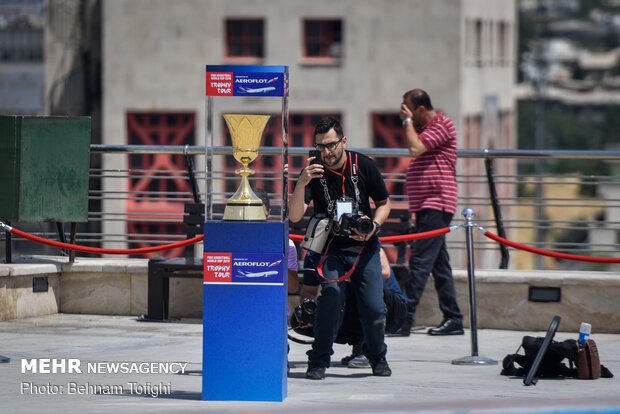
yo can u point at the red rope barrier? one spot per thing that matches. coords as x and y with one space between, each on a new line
550 253
298 238
416 236
394 239
104 251
142 250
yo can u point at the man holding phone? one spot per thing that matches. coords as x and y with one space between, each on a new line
341 186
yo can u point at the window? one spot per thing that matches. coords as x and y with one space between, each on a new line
478 42
504 44
245 38
150 213
323 39
388 132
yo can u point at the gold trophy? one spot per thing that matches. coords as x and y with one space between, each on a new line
246 132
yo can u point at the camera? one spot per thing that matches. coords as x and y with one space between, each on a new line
304 313
354 220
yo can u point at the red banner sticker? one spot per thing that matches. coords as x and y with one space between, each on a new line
218 267
219 84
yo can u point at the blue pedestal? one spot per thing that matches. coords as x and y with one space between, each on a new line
245 311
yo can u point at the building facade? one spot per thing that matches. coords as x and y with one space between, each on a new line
350 58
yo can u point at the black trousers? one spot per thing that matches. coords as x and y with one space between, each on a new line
431 255
350 331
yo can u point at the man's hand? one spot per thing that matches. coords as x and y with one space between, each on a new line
296 205
363 237
311 171
405 112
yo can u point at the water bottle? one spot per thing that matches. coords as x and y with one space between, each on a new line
584 332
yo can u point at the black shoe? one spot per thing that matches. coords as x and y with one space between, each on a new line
448 327
315 373
381 368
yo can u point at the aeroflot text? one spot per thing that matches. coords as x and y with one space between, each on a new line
253 80
251 264
75 366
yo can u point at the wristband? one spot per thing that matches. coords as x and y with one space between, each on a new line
406 120
378 229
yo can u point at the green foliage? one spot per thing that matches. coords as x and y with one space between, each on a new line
569 127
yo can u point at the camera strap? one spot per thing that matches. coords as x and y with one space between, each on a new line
347 275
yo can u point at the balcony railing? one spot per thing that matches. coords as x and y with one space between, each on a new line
515 193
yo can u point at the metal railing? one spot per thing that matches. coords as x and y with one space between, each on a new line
572 213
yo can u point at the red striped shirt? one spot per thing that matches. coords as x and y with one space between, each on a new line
431 177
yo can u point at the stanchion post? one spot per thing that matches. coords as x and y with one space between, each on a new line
474 359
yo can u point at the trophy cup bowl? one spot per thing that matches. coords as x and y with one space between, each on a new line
246 132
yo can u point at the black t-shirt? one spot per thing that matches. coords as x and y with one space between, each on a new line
369 183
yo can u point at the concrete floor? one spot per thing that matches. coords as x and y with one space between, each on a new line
424 380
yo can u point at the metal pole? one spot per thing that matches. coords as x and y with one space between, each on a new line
497 212
474 359
209 160
7 245
540 83
72 239
284 152
189 163
470 278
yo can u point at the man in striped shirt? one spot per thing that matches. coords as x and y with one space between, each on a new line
431 187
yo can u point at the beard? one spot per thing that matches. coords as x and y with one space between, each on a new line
333 159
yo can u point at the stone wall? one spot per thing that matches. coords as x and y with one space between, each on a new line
119 287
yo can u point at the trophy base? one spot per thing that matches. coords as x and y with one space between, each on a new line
245 212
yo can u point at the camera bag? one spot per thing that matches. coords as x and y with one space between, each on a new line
550 366
587 361
317 233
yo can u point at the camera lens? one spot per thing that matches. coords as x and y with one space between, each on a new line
309 307
365 226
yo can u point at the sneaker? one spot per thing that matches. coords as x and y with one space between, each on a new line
355 352
315 373
381 368
359 361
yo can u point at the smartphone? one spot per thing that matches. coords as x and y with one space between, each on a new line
317 155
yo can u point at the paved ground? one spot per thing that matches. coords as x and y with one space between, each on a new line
424 379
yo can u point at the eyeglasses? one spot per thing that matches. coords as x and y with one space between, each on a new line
331 146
